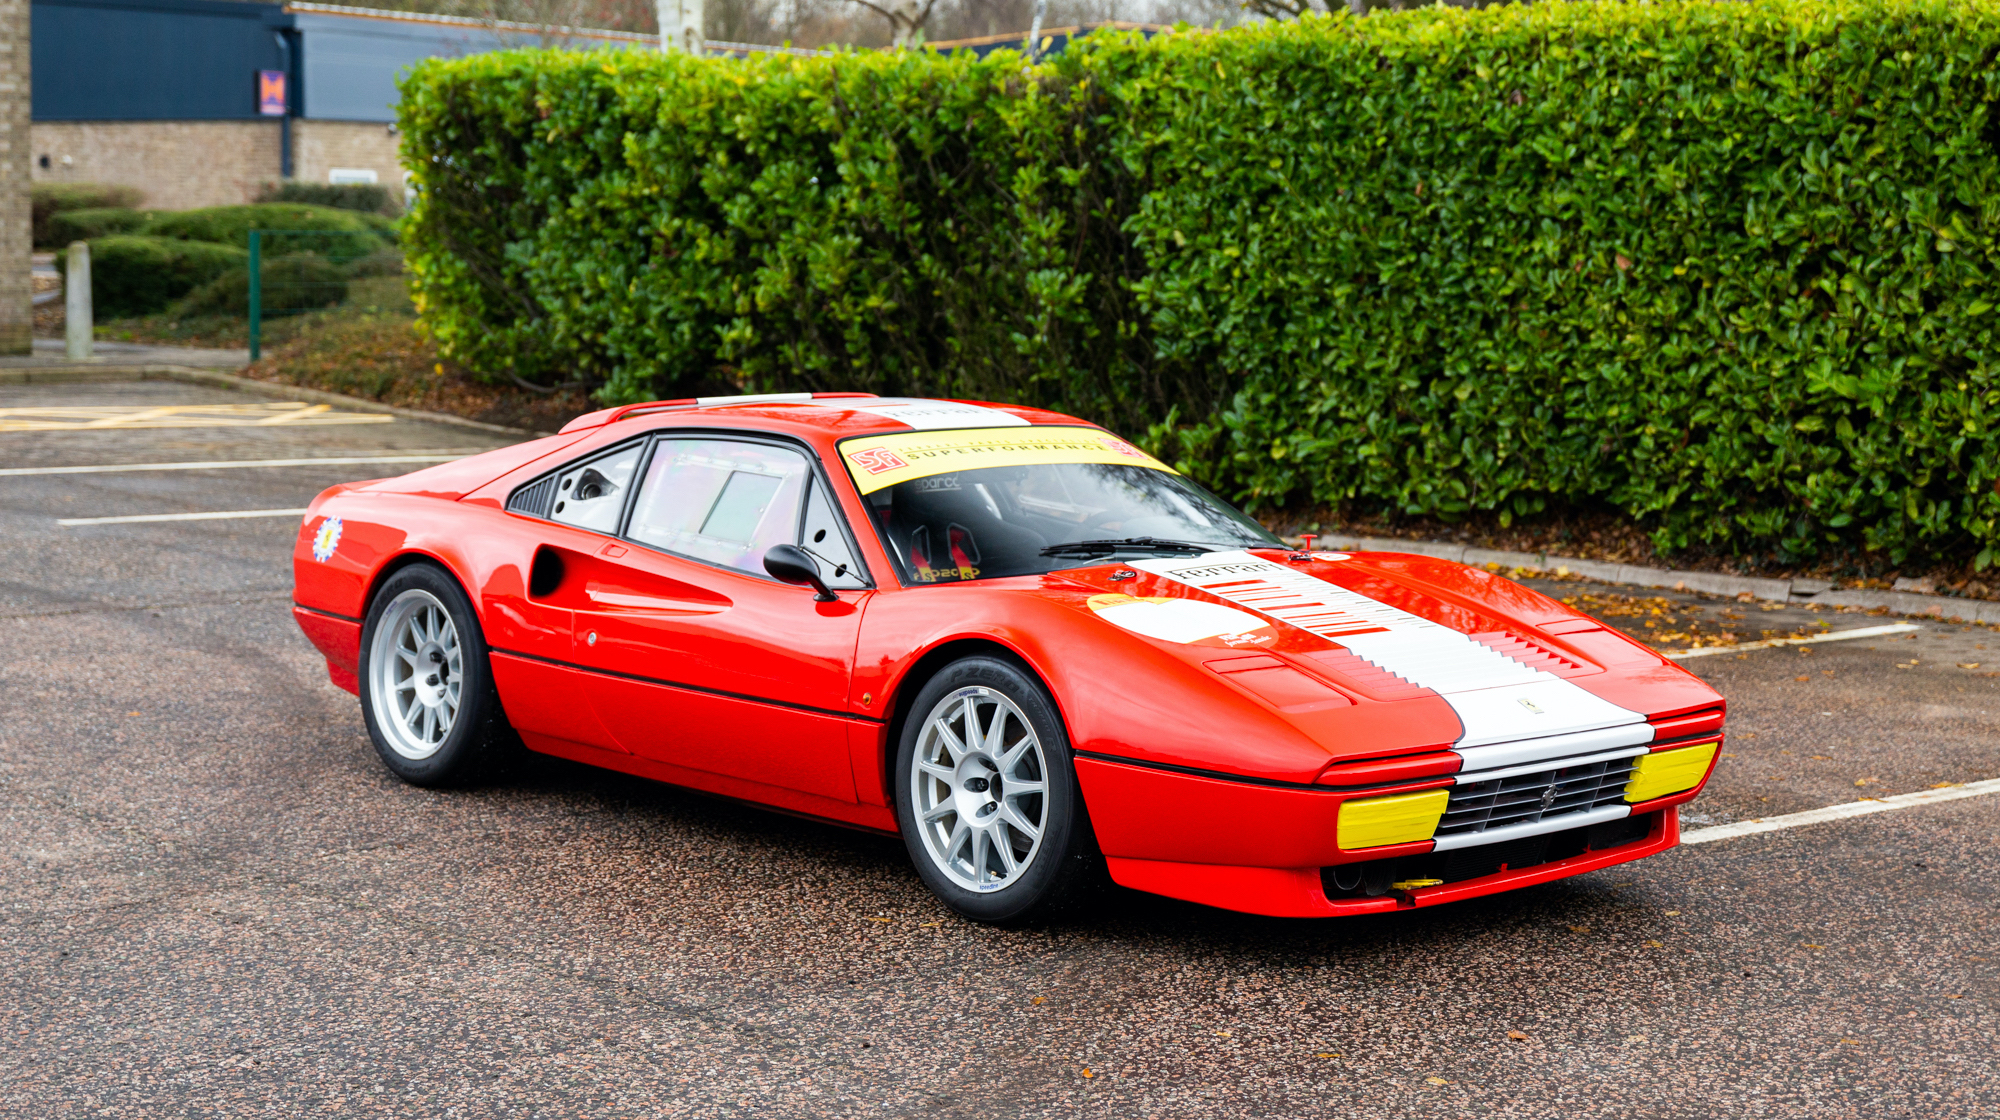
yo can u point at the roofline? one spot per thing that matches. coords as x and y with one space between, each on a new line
638 38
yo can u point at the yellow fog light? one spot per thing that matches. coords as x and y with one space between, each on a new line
1664 772
1374 821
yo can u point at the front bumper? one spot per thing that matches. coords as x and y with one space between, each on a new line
1271 849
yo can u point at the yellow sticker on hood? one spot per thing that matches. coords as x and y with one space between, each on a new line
877 462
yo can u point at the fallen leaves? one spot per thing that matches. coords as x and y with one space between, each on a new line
1654 945
1962 665
1437 1080
1518 1036
1867 781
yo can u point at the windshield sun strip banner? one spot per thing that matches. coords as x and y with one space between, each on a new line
879 462
926 415
1498 699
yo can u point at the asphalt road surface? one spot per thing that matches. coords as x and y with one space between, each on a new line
217 902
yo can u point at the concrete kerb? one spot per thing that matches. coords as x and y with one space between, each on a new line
54 374
1941 607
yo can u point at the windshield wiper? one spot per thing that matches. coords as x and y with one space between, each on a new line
1125 544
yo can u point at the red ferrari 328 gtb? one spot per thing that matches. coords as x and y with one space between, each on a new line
1034 651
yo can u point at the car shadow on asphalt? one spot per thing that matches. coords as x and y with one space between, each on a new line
1615 903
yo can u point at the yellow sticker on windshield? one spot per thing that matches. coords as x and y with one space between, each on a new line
877 462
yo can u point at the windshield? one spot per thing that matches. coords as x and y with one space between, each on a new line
982 522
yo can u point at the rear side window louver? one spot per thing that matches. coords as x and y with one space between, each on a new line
533 499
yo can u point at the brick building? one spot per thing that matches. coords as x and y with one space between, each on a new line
202 102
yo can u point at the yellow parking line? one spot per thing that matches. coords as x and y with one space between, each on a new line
119 417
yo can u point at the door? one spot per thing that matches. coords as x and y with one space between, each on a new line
699 658
529 604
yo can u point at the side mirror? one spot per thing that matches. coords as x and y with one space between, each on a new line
791 564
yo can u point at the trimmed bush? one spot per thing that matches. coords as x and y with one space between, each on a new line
66 226
292 284
381 262
134 275
1728 267
881 220
369 198
231 225
49 199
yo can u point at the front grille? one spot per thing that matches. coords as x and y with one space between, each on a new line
1377 877
1527 798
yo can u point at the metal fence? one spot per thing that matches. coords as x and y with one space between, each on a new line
296 271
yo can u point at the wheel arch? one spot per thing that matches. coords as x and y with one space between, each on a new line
903 695
407 559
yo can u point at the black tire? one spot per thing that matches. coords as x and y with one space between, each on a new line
1065 868
478 730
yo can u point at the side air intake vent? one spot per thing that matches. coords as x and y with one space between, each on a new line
533 499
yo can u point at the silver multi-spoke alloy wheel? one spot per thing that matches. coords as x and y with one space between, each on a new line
417 674
979 788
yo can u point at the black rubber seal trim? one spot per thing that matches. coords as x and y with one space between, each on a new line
1684 740
689 687
1199 773
329 614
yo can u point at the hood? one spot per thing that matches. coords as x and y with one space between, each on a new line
1372 655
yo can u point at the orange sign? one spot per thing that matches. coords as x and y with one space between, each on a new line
271 93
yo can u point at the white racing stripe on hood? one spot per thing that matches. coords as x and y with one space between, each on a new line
1498 699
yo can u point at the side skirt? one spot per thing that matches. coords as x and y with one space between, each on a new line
867 818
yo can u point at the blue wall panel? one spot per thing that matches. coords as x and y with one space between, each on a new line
106 60
351 64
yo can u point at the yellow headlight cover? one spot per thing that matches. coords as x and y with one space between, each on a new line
1664 772
1375 821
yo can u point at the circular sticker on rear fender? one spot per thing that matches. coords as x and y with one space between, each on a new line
1187 621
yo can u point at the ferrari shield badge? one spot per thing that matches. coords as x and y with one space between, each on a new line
326 540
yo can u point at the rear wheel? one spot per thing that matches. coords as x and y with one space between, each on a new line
426 688
986 795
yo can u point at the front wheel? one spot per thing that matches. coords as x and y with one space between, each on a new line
986 795
426 688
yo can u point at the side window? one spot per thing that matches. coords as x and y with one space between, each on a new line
822 536
720 501
591 495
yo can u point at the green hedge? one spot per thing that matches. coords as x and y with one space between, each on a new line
884 221
138 275
367 198
46 200
291 284
1729 267
98 221
231 225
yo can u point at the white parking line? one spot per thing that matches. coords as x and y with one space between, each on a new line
217 516
1769 643
219 464
1840 812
